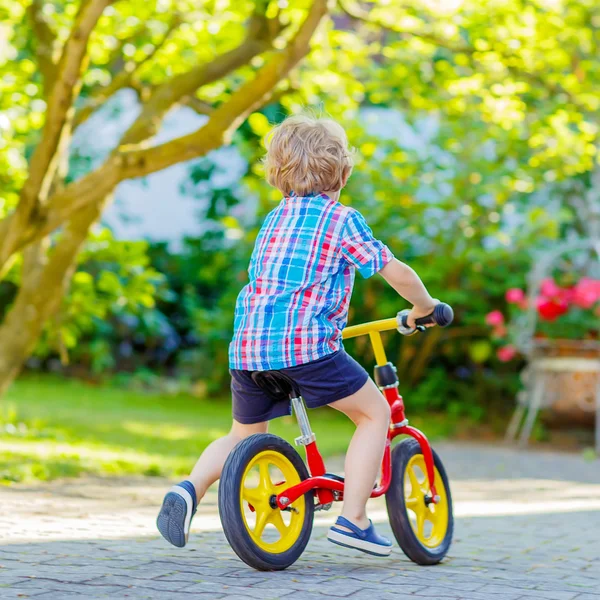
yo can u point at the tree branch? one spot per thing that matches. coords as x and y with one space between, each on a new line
128 162
133 161
56 130
24 225
115 61
78 195
206 109
359 14
225 119
123 79
201 107
45 44
261 33
65 89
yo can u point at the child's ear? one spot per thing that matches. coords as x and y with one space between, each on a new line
346 175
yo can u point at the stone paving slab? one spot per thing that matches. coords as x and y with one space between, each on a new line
527 528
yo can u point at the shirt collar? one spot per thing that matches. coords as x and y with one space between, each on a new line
322 196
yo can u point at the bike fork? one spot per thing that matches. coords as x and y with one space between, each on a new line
387 380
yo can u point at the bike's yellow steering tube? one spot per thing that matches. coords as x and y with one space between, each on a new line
364 328
373 329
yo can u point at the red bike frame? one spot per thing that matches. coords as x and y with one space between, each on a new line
327 489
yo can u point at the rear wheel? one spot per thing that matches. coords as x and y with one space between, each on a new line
264 537
423 531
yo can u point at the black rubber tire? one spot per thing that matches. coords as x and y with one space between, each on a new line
232 519
398 514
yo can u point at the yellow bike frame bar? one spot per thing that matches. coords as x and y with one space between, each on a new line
373 329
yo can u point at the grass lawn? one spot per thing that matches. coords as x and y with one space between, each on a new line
52 427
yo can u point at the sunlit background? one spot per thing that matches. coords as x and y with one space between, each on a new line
476 130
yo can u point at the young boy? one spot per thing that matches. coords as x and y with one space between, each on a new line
290 317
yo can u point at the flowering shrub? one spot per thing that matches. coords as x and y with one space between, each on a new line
567 312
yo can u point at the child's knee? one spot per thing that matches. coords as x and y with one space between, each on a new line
244 430
377 410
384 412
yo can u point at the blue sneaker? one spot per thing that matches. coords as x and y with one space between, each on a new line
366 540
175 516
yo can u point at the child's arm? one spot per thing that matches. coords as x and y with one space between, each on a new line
408 284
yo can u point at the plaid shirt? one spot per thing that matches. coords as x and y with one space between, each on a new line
301 274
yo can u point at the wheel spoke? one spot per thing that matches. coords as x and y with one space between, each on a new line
265 478
277 520
251 495
414 482
411 502
434 517
262 518
420 522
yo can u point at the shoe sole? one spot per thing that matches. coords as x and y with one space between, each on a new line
174 518
367 547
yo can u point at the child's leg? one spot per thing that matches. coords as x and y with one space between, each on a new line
180 503
371 413
210 464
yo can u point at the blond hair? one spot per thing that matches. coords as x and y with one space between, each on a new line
307 155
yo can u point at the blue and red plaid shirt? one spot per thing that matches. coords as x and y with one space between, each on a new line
295 306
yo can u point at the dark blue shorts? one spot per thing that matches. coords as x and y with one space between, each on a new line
321 382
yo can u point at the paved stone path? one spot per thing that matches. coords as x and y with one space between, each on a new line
527 528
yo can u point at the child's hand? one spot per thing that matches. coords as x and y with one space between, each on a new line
421 311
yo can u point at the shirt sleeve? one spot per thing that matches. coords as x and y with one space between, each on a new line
361 249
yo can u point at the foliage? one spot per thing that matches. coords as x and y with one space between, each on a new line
518 78
109 313
19 113
205 279
78 55
476 129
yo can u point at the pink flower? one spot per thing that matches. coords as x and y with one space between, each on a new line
549 288
494 318
587 292
515 296
506 353
567 295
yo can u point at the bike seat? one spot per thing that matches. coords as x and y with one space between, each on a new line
277 385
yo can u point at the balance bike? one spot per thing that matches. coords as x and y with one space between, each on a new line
268 496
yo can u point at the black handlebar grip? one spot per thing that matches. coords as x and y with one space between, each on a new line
442 315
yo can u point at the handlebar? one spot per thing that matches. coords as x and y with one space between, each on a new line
442 315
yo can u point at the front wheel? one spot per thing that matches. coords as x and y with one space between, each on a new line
423 531
266 538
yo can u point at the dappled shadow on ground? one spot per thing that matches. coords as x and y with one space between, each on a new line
478 461
526 527
551 555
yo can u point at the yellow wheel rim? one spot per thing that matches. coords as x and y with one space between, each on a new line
272 530
429 523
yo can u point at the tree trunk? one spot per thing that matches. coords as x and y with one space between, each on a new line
47 272
45 280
